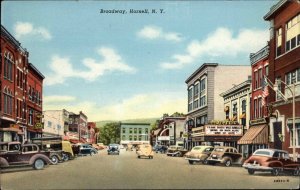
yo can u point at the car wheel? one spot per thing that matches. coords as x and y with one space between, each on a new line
228 162
54 160
179 154
38 164
251 172
205 161
191 162
139 157
296 172
66 157
93 153
275 171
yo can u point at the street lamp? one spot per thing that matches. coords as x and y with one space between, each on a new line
293 92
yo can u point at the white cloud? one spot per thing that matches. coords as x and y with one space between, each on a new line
58 99
155 32
62 68
27 29
137 106
220 43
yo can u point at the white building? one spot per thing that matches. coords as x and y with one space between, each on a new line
55 122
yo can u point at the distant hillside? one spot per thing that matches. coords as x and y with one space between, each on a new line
146 120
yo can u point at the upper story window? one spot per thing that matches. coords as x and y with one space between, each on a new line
202 92
8 66
130 130
255 79
278 96
267 70
278 41
260 76
292 33
196 90
190 94
293 77
244 104
123 130
8 101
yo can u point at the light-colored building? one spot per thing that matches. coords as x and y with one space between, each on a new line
135 133
55 122
204 87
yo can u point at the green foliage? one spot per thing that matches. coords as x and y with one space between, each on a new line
154 125
110 133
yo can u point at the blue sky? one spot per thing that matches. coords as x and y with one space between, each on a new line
124 66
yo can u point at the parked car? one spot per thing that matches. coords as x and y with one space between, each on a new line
84 149
145 150
199 154
225 155
67 150
271 160
52 144
176 151
17 154
113 149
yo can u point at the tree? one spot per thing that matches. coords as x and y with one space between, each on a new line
154 125
110 133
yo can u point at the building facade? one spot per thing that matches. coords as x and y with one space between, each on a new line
92 132
78 130
135 133
21 87
55 122
284 68
204 87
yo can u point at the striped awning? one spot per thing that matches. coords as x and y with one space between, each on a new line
255 135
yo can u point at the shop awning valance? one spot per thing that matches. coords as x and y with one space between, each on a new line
255 135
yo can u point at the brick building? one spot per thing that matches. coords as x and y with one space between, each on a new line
21 92
78 129
284 69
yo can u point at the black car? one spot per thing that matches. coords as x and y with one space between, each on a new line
113 149
160 148
84 149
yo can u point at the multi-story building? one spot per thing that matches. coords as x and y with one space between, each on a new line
92 132
170 131
135 133
78 126
257 135
55 122
284 71
34 101
204 87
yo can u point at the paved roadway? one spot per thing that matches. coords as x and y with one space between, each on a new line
126 171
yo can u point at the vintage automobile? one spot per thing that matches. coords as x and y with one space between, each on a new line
113 149
160 148
271 160
145 150
52 144
17 154
176 151
199 154
84 149
101 146
67 150
225 155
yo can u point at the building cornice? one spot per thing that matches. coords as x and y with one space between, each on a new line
31 66
237 87
203 66
275 8
12 39
260 55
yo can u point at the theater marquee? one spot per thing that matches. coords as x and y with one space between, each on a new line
230 130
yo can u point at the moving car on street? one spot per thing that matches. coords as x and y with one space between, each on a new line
199 154
17 154
113 149
84 149
225 155
271 160
176 151
145 150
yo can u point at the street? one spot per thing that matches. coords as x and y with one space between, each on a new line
126 171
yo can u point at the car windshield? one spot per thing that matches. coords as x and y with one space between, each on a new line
196 149
219 149
262 152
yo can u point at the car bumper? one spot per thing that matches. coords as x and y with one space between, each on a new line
193 159
257 167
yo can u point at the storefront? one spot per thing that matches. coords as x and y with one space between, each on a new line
217 135
255 138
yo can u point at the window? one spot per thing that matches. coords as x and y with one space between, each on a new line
123 130
196 104
135 130
260 81
278 41
135 137
140 130
256 79
202 92
292 134
140 137
292 33
234 111
123 137
244 104
130 137
196 90
292 77
255 108
130 130
259 108
8 66
146 131
8 101
190 99
278 96
267 70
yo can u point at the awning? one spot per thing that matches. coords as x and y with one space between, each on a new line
255 135
10 129
156 132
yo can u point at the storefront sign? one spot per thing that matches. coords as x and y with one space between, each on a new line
231 130
163 138
258 121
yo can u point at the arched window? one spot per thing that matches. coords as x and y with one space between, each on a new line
8 101
8 66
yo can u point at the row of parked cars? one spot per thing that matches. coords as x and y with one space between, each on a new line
42 151
264 160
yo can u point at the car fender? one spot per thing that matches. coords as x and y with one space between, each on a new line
275 164
43 157
3 162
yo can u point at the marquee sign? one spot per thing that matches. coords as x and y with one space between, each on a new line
231 130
